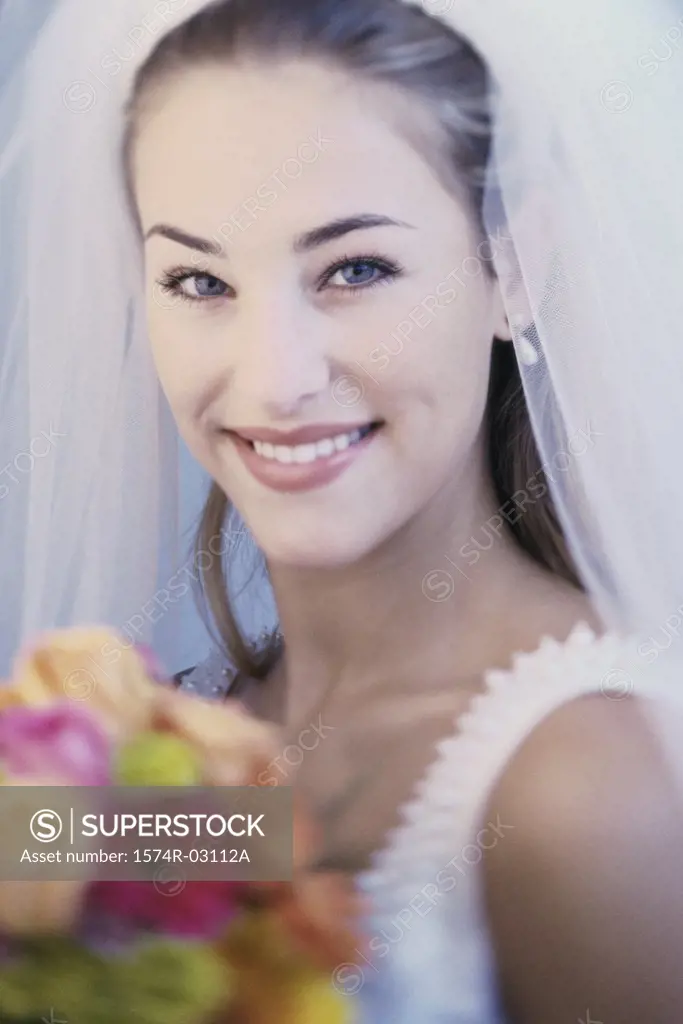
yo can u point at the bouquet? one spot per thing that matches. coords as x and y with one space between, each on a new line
83 710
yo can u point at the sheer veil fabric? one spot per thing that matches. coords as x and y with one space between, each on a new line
586 225
89 481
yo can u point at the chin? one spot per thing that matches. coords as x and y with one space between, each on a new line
328 548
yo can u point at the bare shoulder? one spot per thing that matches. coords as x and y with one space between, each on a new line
591 748
586 890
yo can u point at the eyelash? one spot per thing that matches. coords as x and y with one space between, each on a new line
391 271
173 279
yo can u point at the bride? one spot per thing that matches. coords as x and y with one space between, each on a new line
408 275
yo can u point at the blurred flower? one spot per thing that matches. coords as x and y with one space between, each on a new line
53 972
91 665
40 908
157 759
322 914
157 982
86 709
45 746
122 689
317 1002
232 744
9 698
168 982
197 910
321 910
274 982
62 742
34 906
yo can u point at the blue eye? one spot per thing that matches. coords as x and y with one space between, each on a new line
192 285
356 273
349 274
207 286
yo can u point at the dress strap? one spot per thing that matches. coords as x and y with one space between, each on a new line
214 678
446 809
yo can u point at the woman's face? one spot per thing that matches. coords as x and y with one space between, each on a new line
319 305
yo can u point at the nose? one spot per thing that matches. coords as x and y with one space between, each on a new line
283 361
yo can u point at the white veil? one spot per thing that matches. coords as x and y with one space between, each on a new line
588 156
88 450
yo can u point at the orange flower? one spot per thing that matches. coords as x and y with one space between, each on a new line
35 907
322 913
40 908
274 982
232 745
9 698
321 910
94 667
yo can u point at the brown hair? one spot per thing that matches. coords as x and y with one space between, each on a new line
398 44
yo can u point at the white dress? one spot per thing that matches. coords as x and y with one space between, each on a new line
429 959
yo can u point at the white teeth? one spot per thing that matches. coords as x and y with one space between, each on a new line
303 453
325 448
283 454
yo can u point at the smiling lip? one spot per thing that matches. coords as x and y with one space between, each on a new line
304 435
295 477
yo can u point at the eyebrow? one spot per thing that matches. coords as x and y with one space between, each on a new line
312 239
186 239
343 226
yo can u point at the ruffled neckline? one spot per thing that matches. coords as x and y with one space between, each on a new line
464 759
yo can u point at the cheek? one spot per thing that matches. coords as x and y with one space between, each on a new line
165 349
180 373
437 357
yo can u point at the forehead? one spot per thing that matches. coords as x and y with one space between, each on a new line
215 137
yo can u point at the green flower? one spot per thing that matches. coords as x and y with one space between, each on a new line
58 974
157 759
156 983
173 982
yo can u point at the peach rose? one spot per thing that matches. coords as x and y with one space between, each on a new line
232 745
94 668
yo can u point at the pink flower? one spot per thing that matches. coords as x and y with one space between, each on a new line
198 910
62 742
